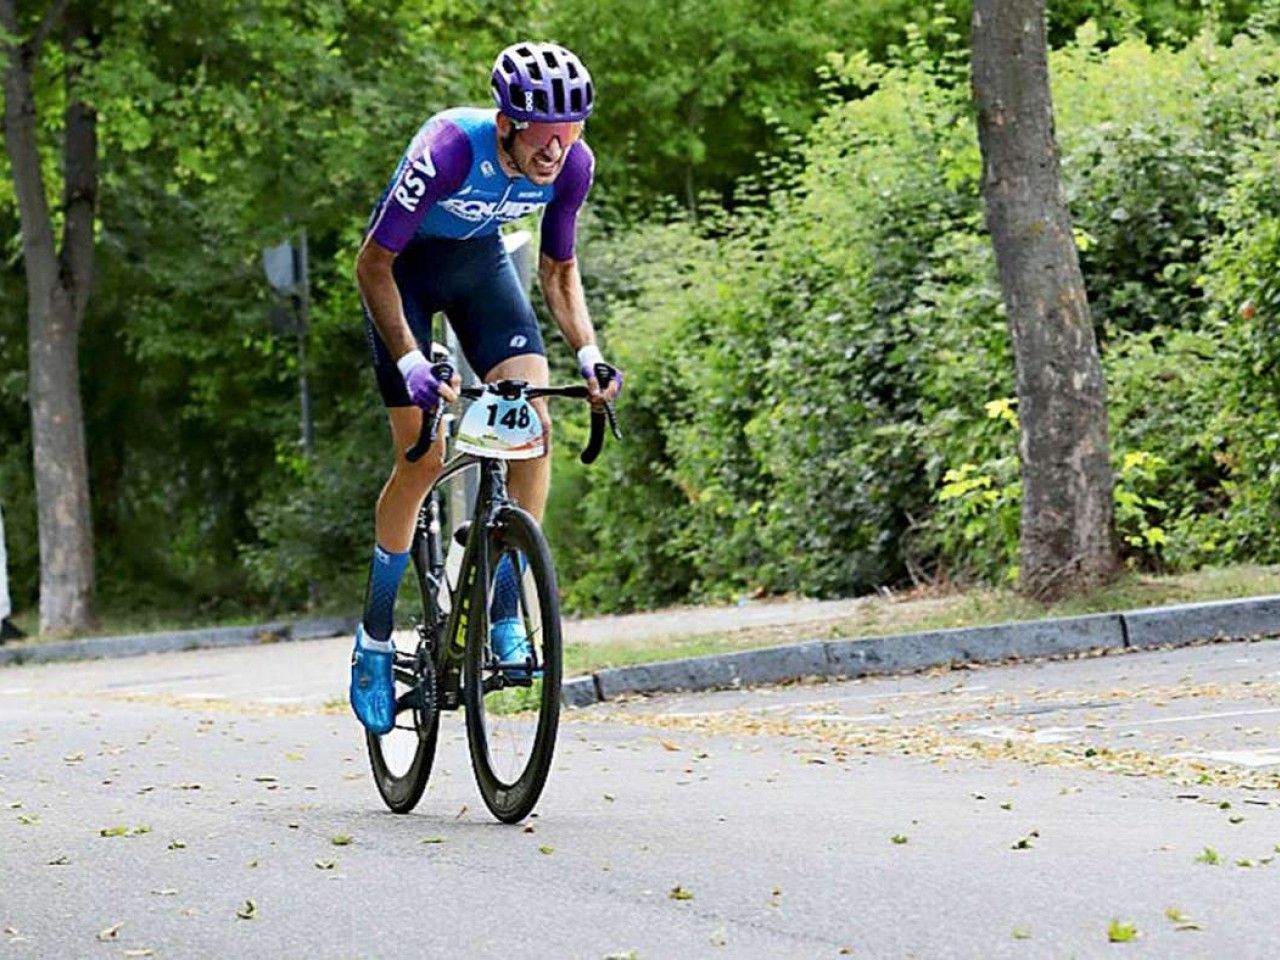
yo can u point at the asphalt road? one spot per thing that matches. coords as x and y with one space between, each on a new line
999 812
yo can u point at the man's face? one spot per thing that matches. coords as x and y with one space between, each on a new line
540 148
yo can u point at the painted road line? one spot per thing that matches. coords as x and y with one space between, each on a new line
1239 758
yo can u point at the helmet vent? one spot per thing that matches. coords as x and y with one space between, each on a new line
535 71
508 65
540 102
591 94
557 92
524 52
575 100
573 69
550 57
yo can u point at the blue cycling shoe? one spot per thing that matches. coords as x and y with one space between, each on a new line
511 645
373 685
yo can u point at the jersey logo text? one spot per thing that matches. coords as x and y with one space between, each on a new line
411 190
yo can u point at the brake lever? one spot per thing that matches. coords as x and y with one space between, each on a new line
604 377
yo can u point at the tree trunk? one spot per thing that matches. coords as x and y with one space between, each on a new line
57 294
1067 539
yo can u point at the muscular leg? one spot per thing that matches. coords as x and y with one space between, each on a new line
529 481
405 489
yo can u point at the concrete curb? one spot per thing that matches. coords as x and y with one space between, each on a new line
1140 629
1173 626
98 648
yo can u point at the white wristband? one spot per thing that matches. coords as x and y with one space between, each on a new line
589 356
411 361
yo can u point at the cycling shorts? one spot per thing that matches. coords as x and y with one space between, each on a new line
474 283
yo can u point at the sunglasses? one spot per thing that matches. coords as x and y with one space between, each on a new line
540 135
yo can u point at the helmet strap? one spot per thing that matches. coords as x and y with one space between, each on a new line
508 142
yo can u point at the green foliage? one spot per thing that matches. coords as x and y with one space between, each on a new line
810 378
842 353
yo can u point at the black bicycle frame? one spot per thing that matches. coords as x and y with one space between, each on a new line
446 636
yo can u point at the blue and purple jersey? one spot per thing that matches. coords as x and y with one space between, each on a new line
449 183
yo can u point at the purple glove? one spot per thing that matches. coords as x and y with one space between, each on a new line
420 380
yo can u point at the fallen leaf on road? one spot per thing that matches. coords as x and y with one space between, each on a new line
140 952
1210 856
326 864
59 861
680 893
177 845
165 892
899 838
341 840
1118 932
459 814
1025 842
28 820
1007 805
111 933
670 745
547 850
1020 934
432 840
610 797
293 757
249 911
73 758
114 832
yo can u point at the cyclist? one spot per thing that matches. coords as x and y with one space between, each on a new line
433 244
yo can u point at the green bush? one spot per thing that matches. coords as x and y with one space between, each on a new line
821 382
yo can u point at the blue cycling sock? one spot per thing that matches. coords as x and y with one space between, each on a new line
385 571
506 590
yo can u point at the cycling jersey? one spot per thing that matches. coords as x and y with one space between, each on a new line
449 183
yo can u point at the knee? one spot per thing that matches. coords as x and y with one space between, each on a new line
418 476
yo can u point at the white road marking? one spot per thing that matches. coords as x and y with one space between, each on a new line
1197 716
1241 758
1047 735
15 691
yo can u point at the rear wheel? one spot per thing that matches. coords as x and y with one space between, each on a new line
402 758
513 708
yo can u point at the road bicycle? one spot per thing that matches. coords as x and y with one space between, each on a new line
445 660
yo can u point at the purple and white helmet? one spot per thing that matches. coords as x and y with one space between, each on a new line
542 83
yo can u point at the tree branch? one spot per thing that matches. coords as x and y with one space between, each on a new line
47 24
80 180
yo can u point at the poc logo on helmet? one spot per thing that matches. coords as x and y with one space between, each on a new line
519 340
528 99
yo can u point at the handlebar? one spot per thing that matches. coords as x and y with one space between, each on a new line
513 389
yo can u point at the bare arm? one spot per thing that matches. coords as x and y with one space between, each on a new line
381 296
562 286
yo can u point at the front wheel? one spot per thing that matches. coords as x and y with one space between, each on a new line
513 706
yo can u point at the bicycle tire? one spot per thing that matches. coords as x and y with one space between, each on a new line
402 791
512 799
